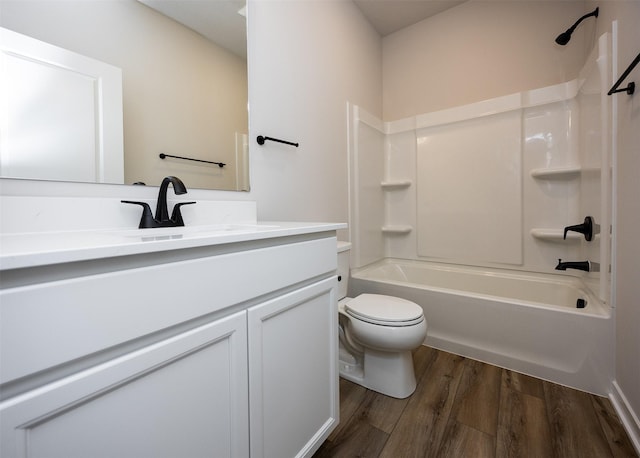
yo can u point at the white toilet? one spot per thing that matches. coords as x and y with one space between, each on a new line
377 335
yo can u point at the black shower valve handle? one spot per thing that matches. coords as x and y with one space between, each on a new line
586 228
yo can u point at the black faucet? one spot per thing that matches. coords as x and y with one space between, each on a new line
162 218
579 265
586 228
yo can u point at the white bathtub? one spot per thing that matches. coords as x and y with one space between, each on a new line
527 322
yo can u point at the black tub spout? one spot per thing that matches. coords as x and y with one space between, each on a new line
578 265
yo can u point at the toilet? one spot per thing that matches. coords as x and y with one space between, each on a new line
377 334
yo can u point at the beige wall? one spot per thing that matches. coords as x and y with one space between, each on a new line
627 224
182 94
479 50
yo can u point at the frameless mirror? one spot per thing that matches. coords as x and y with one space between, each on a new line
184 82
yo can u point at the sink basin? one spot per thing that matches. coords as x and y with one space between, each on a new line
169 233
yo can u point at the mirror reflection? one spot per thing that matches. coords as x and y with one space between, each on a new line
182 94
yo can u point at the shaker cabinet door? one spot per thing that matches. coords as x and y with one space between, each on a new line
293 378
183 396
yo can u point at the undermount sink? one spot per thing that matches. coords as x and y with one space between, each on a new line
168 233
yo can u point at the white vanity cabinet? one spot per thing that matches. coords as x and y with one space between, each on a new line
223 351
292 371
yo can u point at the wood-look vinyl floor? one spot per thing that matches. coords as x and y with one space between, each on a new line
463 408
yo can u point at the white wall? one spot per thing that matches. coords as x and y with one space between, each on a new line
306 61
478 50
182 94
627 217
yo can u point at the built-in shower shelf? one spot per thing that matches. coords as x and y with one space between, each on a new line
591 170
554 235
557 173
395 184
396 229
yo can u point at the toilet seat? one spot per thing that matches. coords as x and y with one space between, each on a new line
384 310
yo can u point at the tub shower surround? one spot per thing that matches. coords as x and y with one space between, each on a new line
491 186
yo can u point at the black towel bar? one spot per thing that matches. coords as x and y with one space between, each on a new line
262 139
631 87
219 164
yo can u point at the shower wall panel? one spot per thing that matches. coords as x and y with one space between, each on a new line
366 195
551 201
400 204
469 190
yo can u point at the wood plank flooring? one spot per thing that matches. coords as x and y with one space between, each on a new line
463 408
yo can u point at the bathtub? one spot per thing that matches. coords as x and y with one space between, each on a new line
526 322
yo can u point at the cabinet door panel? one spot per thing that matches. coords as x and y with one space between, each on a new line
293 371
186 396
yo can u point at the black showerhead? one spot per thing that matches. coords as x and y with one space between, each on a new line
564 37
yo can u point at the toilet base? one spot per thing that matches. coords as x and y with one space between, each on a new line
350 366
388 373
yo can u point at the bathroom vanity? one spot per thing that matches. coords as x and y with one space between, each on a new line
198 341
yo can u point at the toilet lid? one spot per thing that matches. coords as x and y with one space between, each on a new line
385 310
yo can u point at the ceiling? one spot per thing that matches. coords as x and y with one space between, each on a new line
388 16
221 22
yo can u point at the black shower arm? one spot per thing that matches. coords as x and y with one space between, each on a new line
573 27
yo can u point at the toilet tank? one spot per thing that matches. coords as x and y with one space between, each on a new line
343 268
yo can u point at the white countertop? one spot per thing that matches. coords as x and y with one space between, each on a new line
19 250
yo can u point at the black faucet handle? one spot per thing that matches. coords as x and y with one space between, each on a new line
176 215
586 228
146 221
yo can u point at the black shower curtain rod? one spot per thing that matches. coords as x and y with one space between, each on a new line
631 87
